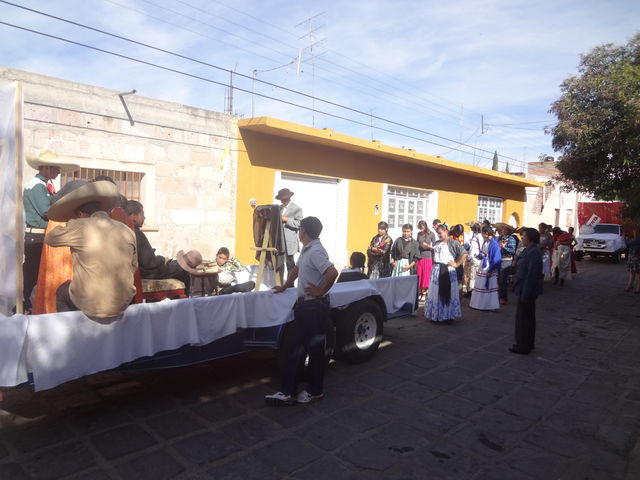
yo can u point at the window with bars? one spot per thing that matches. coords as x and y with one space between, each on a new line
406 205
489 208
128 182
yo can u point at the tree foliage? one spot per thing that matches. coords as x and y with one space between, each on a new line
598 129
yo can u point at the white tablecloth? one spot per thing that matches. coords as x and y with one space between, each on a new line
63 346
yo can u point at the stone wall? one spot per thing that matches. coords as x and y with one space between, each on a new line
187 155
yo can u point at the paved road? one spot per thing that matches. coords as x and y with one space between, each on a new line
437 401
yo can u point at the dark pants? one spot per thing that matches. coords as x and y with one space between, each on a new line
291 263
503 282
63 298
526 325
32 254
240 287
171 269
308 331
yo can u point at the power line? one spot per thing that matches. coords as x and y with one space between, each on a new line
197 77
313 98
293 35
358 87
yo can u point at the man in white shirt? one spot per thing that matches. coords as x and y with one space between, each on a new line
316 274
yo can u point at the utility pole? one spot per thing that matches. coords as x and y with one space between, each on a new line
311 35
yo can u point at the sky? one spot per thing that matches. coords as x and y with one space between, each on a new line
460 79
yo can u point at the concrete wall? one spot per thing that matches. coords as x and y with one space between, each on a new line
549 204
189 182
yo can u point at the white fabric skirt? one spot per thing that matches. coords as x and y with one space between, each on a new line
397 269
485 292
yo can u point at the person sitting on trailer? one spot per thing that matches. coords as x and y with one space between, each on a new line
355 270
154 266
227 280
103 253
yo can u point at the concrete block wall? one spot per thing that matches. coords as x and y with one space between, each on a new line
188 155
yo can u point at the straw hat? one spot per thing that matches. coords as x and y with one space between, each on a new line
506 226
50 158
64 209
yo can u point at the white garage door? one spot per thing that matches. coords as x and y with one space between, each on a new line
327 199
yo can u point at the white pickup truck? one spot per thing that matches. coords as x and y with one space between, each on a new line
602 239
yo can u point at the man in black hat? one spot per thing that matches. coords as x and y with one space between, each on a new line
291 214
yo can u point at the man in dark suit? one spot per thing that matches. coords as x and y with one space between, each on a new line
291 214
528 286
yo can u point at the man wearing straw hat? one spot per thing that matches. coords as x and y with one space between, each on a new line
103 251
37 200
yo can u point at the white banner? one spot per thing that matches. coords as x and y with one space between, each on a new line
593 220
10 205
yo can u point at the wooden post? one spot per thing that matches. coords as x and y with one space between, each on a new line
19 162
263 255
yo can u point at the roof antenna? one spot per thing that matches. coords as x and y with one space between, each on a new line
124 104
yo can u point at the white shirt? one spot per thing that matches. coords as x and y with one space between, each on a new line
312 264
441 253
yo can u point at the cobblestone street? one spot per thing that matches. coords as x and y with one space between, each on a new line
436 401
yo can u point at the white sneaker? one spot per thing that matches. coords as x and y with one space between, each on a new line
306 397
279 399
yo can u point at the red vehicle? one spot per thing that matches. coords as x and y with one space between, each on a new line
602 230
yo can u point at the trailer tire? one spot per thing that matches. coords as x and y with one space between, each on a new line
286 344
359 331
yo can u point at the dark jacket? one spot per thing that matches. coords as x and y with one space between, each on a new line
528 281
151 265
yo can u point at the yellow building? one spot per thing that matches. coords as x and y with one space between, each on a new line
352 184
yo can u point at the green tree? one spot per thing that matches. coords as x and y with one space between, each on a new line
495 161
598 129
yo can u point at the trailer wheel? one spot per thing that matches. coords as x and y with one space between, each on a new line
359 331
287 343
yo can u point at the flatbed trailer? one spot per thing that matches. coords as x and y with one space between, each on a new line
48 350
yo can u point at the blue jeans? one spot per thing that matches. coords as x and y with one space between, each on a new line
308 330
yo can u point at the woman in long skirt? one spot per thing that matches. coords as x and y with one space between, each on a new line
485 292
426 239
562 258
379 252
404 253
472 265
443 298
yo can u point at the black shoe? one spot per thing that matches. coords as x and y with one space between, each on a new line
515 349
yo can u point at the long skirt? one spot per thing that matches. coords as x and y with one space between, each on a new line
56 267
485 292
546 264
397 269
471 268
379 269
562 261
423 269
434 308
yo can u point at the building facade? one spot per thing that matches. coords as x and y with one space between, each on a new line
199 173
550 203
351 184
178 161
